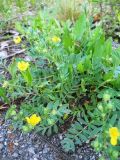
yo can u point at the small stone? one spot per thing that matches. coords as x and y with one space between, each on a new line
80 157
60 136
31 150
16 144
46 149
20 152
40 152
5 143
15 155
36 146
1 139
1 146
79 151
35 158
87 141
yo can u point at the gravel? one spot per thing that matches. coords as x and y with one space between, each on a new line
15 145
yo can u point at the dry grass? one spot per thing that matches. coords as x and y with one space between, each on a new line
68 9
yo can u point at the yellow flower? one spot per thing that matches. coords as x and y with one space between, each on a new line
113 141
33 120
17 40
56 39
23 66
114 132
5 84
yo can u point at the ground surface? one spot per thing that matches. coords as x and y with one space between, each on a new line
14 145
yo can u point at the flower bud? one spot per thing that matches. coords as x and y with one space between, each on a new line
65 116
106 97
25 128
54 112
96 144
100 107
13 113
115 154
51 122
109 106
103 115
46 110
21 113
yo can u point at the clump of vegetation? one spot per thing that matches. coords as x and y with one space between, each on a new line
68 10
73 76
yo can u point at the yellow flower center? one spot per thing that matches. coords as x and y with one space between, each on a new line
54 112
17 40
23 66
114 132
56 39
33 120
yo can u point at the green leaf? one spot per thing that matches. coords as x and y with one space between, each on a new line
55 127
13 69
49 132
27 76
3 95
80 67
11 112
108 47
19 28
113 120
67 39
95 132
80 27
68 144
44 131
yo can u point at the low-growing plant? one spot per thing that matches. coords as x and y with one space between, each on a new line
72 75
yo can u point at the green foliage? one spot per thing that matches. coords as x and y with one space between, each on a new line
73 72
80 27
97 125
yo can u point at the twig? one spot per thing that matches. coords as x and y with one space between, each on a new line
14 54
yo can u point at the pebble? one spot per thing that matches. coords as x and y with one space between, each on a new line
60 136
15 155
35 158
1 146
1 139
31 147
45 150
16 144
31 150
